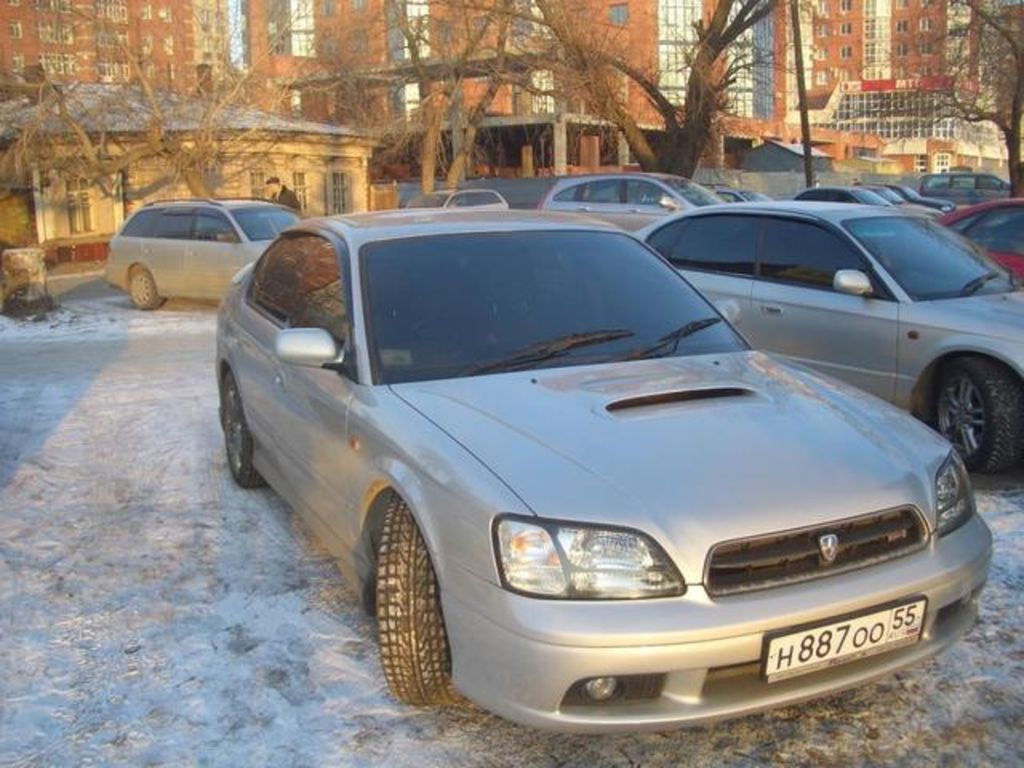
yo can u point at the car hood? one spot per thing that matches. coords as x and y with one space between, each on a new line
995 315
692 451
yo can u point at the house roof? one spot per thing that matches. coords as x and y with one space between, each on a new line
797 149
127 109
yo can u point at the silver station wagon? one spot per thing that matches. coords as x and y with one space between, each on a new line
566 486
190 248
895 304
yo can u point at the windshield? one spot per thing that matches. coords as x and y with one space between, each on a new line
264 222
691 191
928 260
868 197
887 194
448 306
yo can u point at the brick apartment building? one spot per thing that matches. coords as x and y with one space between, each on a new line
175 42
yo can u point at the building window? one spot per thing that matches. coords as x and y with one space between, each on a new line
845 5
822 8
147 45
926 48
925 25
166 14
903 25
943 160
618 14
920 163
113 10
328 7
821 78
257 183
296 102
822 30
79 207
358 5
901 50
146 12
14 28
904 4
846 52
846 28
339 192
299 188
60 63
169 45
17 62
819 54
14 2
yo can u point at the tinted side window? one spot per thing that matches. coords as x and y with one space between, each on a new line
470 199
990 183
141 224
962 182
805 254
570 194
713 243
935 182
320 298
211 225
814 194
607 191
1001 231
643 193
174 225
275 282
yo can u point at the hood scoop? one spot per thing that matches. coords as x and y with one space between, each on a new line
677 396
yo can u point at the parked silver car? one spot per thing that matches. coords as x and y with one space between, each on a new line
481 199
567 487
895 304
630 200
190 248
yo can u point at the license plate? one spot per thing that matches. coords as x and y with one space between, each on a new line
797 652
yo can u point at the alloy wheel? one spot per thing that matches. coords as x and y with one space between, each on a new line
961 415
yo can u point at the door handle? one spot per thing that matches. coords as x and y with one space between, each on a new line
771 309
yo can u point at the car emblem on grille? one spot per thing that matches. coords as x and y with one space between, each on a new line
829 546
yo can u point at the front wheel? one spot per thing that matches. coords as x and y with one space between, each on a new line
238 442
979 408
414 650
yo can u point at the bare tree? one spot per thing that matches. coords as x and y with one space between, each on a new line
712 65
986 59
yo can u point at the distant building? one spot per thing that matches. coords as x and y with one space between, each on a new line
776 156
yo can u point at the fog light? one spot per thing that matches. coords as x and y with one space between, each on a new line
601 688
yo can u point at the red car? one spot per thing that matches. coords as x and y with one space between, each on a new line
997 226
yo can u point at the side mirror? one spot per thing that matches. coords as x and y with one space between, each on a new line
308 347
730 310
669 203
852 282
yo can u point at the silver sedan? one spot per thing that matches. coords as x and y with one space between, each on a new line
895 304
568 489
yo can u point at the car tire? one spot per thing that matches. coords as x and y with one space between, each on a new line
238 444
142 288
414 651
980 409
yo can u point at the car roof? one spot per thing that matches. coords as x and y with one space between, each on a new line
988 205
412 222
231 203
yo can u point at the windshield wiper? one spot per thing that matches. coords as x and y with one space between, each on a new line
545 350
973 286
673 338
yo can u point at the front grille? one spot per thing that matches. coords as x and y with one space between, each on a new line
783 558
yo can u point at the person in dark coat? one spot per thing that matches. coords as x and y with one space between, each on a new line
279 193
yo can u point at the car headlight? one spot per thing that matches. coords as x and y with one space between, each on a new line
954 498
582 562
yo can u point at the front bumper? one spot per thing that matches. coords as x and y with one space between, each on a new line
518 657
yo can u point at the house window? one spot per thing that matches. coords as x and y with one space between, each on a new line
904 4
79 207
14 2
169 45
166 14
926 48
14 28
845 5
299 188
17 62
358 5
903 25
925 25
822 8
943 160
618 14
146 13
901 50
846 28
328 7
257 182
819 54
920 163
821 78
846 52
339 192
296 102
147 45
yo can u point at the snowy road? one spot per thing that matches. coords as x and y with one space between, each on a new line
151 613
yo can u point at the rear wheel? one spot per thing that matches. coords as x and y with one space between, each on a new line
142 288
979 408
414 648
238 442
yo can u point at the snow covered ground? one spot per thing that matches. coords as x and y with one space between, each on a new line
151 613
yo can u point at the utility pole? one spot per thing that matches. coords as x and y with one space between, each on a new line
801 93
